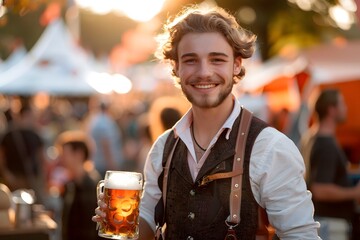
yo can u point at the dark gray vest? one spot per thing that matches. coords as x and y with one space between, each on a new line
200 211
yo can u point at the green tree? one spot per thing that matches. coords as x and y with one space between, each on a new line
280 23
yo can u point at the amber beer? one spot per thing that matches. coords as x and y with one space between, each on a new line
122 193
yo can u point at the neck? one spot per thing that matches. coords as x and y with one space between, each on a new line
208 121
194 139
327 127
78 174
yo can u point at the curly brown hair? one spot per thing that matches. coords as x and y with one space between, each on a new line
196 20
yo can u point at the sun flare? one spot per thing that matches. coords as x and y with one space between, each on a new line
138 10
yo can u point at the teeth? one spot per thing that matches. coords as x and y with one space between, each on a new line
205 86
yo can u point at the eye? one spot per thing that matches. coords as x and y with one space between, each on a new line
189 60
218 60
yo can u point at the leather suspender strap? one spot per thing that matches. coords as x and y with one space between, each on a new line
159 234
236 181
166 172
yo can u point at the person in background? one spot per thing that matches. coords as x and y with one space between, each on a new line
205 48
22 158
169 116
333 195
164 112
102 127
79 195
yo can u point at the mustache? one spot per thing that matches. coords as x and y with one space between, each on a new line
204 81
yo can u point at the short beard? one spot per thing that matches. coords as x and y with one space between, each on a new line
207 103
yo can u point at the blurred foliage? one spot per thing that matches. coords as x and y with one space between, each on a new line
100 33
297 30
22 7
25 29
21 23
278 24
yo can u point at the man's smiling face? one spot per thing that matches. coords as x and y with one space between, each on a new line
206 67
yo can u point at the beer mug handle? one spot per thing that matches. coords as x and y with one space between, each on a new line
99 188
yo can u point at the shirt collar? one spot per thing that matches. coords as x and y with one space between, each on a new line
182 126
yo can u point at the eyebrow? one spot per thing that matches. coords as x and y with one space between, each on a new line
212 54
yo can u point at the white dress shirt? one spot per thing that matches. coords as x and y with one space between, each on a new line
276 177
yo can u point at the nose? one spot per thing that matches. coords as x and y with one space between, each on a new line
204 70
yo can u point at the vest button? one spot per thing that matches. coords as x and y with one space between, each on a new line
190 238
192 192
191 215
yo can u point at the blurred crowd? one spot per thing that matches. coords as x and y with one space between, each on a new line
60 147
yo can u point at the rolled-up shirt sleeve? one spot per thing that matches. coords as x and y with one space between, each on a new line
276 176
152 171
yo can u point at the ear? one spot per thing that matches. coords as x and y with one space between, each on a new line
237 65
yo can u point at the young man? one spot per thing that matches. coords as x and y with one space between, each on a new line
334 196
22 158
206 49
102 127
79 196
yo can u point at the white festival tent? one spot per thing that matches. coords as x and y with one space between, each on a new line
14 58
55 65
327 64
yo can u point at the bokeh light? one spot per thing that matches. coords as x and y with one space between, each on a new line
132 9
343 18
106 83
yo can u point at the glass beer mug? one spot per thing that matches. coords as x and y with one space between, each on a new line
122 192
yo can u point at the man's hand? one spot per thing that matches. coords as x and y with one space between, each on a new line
100 210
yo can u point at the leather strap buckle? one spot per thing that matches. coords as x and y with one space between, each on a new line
209 178
231 234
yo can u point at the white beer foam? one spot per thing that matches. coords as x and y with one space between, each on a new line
126 181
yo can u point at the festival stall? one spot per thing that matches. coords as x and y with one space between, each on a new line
291 84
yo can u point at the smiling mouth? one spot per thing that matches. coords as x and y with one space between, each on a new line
204 86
